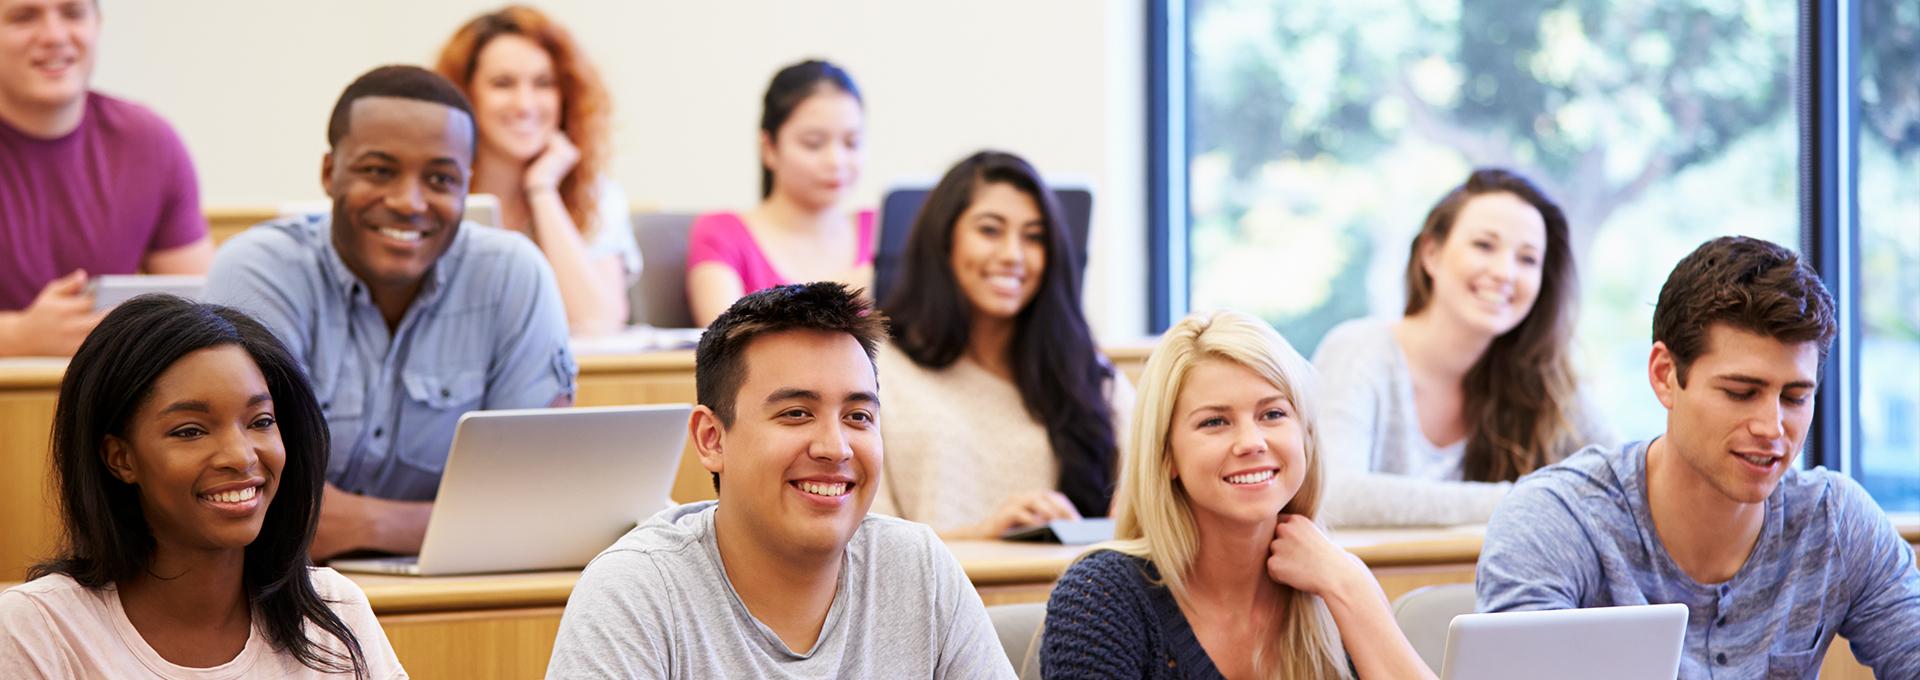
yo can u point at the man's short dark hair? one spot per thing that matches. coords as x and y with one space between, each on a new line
1745 283
404 82
720 364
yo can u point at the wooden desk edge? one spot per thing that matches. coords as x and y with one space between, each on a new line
35 376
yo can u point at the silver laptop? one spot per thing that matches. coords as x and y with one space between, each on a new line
544 488
481 209
112 289
1603 643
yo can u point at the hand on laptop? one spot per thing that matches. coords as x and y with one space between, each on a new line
350 522
54 324
1022 510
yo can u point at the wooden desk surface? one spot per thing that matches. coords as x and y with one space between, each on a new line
987 563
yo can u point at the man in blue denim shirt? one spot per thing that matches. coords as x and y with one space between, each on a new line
403 318
1771 561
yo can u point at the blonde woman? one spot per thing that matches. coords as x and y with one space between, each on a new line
1218 569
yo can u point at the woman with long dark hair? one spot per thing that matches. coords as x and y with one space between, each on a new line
189 455
812 144
1431 416
1001 412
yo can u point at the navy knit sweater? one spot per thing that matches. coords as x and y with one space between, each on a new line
1107 619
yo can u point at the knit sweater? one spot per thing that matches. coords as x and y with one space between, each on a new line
1108 619
959 441
1382 469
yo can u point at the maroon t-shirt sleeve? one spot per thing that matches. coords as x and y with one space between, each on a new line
180 221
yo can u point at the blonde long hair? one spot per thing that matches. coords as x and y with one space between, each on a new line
1153 519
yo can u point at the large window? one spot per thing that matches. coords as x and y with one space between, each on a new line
1887 114
1317 134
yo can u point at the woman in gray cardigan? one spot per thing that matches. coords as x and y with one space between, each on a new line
1431 416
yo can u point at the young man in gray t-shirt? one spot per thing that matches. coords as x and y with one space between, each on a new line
1771 561
786 575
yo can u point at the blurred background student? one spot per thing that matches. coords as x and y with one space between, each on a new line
543 117
1430 416
812 129
1001 412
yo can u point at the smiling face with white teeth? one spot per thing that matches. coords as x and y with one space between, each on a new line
798 462
46 55
1486 273
398 180
1238 447
204 450
999 252
1739 415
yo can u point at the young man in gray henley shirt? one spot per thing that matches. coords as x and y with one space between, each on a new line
1772 561
786 575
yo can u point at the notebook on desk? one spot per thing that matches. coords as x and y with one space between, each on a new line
1065 531
537 489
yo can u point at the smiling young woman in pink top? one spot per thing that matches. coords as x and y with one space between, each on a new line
189 453
811 147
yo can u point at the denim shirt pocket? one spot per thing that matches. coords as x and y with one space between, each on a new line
435 401
1793 665
343 410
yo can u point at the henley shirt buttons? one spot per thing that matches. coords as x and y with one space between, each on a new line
378 431
1722 658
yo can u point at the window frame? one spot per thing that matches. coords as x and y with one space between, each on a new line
1829 224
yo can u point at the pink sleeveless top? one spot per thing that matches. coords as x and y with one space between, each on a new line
722 237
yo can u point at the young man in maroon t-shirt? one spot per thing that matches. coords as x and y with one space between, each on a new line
89 184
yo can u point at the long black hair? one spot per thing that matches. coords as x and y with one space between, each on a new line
106 538
791 86
1061 376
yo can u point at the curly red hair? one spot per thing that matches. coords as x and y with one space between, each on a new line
585 106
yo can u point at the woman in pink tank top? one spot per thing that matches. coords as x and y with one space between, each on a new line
811 135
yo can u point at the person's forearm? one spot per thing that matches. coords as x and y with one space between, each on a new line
1365 619
398 527
589 303
10 343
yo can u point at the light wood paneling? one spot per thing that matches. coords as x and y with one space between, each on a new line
223 223
513 643
28 519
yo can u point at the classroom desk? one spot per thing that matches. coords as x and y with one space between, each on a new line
29 389
503 625
224 222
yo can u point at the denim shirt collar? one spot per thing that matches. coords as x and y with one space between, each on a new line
350 287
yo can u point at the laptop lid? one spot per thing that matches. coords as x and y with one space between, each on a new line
1603 643
481 209
550 488
112 289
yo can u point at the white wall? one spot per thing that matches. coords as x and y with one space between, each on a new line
249 84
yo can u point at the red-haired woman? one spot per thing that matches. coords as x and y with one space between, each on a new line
542 115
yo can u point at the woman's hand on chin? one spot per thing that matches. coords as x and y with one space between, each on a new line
1302 557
